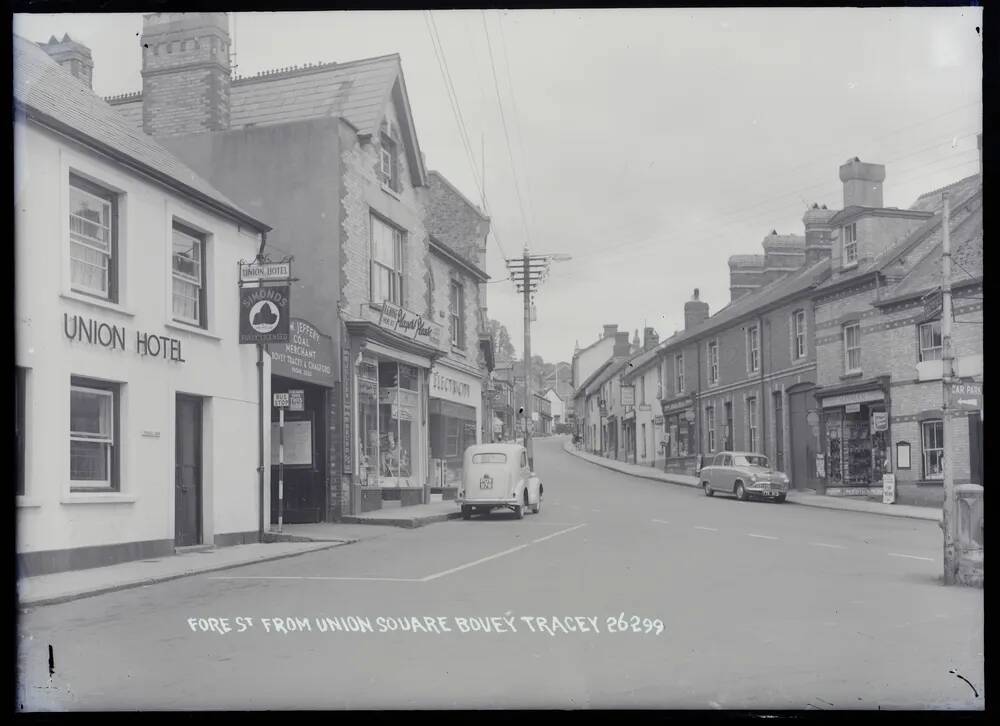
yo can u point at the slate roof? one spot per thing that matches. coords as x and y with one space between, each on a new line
606 373
54 97
962 189
967 255
759 299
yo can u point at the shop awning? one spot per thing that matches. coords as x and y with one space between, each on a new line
440 407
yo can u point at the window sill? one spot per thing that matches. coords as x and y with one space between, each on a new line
97 303
97 498
23 501
185 328
458 350
851 374
391 192
849 265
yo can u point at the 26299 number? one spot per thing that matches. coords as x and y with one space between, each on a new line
634 624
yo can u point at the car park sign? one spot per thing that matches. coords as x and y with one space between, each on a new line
965 396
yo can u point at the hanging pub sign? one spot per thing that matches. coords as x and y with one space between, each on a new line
880 421
628 395
264 314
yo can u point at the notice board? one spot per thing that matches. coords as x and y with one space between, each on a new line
298 443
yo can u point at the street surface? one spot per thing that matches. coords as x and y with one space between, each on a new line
767 606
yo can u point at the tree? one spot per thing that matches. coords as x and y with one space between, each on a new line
503 347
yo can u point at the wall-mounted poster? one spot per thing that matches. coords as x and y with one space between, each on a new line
298 443
903 455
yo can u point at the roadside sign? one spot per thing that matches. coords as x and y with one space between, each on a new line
888 489
933 303
265 271
296 399
279 400
965 396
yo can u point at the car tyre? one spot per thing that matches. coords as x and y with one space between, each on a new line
781 498
708 489
741 493
466 512
538 505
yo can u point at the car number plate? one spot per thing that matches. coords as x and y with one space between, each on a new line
486 482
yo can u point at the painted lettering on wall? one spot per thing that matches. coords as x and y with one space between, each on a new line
95 332
445 384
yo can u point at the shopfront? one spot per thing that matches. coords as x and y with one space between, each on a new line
680 435
855 435
304 368
388 362
455 420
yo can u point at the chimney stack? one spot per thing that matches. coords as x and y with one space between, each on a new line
819 233
185 73
695 311
73 56
862 183
623 348
610 331
650 339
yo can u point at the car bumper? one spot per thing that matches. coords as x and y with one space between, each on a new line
765 490
491 502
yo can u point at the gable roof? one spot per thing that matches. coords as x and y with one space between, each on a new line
582 389
784 287
355 91
447 253
50 95
967 257
607 372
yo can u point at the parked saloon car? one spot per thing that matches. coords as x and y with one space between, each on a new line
496 476
744 474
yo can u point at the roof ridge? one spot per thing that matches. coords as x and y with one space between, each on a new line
939 190
287 71
921 232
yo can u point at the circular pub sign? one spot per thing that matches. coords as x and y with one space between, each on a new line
264 314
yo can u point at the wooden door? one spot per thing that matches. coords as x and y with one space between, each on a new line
187 472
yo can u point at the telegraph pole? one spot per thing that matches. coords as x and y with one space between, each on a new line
527 273
949 515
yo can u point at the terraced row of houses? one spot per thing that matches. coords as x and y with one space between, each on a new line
827 357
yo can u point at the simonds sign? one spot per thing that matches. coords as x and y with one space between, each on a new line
264 314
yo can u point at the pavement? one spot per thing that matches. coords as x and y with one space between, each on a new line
620 593
806 498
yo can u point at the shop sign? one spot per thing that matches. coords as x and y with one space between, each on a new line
820 466
880 421
444 386
658 420
405 323
264 314
628 395
853 491
296 399
888 489
264 271
965 396
849 398
347 409
307 354
113 337
852 408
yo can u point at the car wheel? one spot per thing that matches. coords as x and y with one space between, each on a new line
707 488
781 498
466 512
538 505
741 493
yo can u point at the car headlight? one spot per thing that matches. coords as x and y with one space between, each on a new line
753 477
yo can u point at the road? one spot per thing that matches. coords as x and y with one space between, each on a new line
764 606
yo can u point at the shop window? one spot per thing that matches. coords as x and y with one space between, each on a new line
679 372
850 243
386 262
710 426
713 362
456 318
453 436
932 438
930 341
852 347
93 239
20 378
752 423
799 333
188 276
753 348
93 434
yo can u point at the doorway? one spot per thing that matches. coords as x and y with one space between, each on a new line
187 471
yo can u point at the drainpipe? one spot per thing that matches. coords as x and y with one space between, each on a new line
763 393
260 419
697 402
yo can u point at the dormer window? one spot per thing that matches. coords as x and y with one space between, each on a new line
850 237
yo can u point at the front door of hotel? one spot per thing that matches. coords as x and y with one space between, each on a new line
187 472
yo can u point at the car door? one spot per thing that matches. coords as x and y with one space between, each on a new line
708 471
728 474
715 472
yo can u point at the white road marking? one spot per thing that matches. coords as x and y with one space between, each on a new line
707 529
315 577
661 521
831 546
761 536
912 557
499 554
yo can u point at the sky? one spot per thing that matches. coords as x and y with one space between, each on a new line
647 144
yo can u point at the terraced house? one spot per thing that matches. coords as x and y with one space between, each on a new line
387 254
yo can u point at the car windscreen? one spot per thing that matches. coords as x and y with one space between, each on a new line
741 460
489 458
